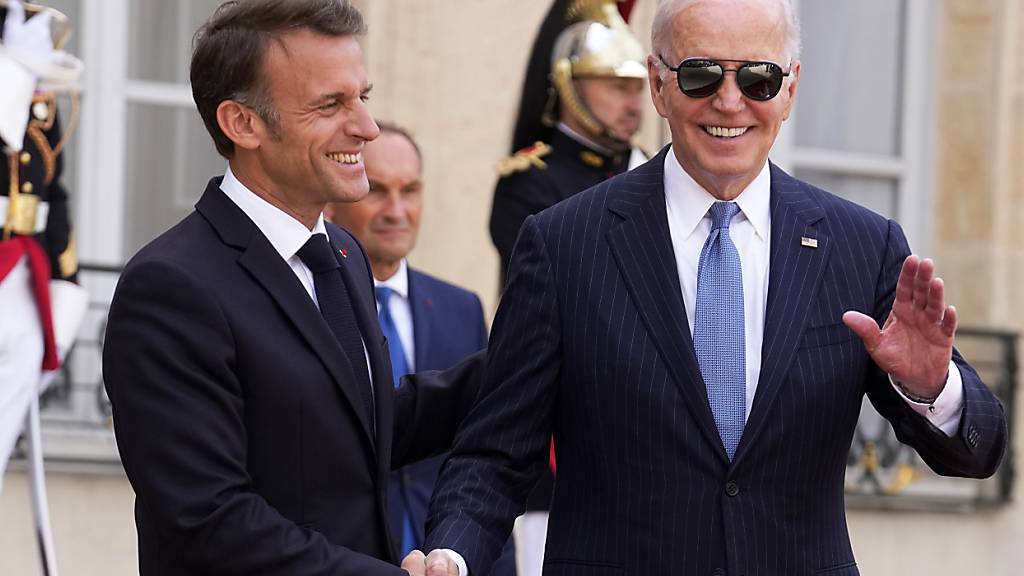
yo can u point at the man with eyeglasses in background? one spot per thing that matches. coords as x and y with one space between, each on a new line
698 335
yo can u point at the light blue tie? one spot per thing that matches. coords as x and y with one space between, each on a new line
718 327
399 367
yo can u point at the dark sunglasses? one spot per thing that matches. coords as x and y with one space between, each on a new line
701 77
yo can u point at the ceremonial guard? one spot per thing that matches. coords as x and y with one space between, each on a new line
37 250
580 107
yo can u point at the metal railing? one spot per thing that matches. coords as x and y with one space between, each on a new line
882 473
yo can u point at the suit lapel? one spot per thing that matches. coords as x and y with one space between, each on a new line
795 272
275 276
420 301
642 249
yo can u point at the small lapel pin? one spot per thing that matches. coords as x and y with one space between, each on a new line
343 252
808 242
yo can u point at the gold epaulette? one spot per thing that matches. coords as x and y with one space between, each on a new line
524 159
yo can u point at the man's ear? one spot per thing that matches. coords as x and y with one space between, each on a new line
655 83
241 124
790 89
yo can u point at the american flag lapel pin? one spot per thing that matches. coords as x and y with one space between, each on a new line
343 252
808 242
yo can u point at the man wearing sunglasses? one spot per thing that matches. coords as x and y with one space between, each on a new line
698 335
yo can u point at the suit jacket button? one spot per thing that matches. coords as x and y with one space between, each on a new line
731 489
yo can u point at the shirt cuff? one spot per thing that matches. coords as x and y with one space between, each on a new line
948 407
458 559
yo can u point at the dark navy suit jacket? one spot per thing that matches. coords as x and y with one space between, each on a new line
237 415
591 343
448 325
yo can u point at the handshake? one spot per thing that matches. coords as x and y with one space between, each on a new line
437 563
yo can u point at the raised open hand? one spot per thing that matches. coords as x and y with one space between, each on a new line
916 342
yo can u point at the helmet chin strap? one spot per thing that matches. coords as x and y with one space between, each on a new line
564 87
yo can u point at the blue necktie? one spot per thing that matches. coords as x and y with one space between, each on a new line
399 366
718 327
336 308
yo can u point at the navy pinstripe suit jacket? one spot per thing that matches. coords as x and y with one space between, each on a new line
591 343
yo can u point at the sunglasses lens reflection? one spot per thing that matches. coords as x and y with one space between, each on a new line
699 78
759 80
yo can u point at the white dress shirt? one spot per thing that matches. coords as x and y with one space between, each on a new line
687 204
286 234
401 311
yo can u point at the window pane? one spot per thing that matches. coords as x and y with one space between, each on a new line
878 194
850 96
170 158
160 38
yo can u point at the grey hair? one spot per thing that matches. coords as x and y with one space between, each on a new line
661 30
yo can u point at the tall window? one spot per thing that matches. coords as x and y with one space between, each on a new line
863 118
168 154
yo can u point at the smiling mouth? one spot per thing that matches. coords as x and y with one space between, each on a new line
721 132
343 158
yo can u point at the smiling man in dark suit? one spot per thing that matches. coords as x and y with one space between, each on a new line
251 385
698 335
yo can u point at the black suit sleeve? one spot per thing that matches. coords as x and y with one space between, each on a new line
430 406
982 417
502 448
179 418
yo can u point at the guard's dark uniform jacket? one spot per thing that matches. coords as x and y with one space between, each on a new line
533 179
543 175
36 200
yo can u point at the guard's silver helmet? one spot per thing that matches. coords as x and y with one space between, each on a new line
598 44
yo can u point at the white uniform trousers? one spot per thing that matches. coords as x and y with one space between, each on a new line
21 355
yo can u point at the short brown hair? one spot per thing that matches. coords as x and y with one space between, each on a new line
386 127
228 52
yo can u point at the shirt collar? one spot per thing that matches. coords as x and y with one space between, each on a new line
399 282
564 129
285 233
688 202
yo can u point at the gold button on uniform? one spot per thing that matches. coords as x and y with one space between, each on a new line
26 187
25 158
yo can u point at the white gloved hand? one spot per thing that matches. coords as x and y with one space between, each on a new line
31 36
